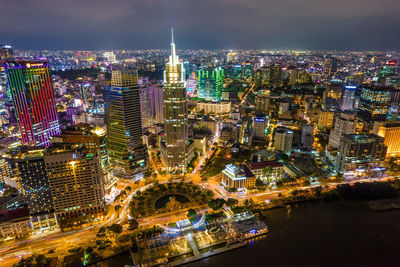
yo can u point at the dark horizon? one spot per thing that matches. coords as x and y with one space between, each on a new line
345 25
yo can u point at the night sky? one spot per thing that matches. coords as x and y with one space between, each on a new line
234 24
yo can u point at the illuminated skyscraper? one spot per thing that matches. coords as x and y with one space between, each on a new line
6 52
128 155
211 82
374 102
33 98
176 150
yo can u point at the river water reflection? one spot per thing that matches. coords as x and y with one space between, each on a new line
321 234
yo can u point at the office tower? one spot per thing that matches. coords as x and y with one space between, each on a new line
127 154
260 125
33 98
6 52
210 83
247 70
293 73
110 57
348 98
176 150
307 138
331 67
283 140
191 84
76 182
325 120
374 103
390 131
390 68
94 138
237 72
344 124
360 154
262 102
231 57
34 180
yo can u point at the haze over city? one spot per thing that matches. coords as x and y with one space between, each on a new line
205 24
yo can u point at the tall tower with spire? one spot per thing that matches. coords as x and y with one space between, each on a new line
176 149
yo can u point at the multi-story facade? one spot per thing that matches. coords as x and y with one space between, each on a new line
238 177
6 52
344 124
348 98
259 126
210 83
283 140
374 103
269 171
223 107
76 182
391 134
35 182
262 102
176 149
127 154
325 120
360 153
33 98
94 138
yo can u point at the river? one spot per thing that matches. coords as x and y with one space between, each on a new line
320 234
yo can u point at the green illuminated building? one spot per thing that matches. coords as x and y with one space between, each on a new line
210 83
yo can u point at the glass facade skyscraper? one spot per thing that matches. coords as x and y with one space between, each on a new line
33 97
127 153
176 150
210 83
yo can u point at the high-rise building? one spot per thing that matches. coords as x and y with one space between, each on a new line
176 150
283 140
307 138
33 98
374 102
76 182
247 69
360 153
35 182
191 84
127 154
391 133
260 125
262 102
390 68
344 124
6 52
110 57
348 98
210 83
94 138
325 120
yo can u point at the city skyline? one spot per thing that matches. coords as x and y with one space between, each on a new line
342 25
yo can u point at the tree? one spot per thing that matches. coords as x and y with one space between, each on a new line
191 213
231 202
116 228
89 250
92 257
248 202
133 224
216 204
259 182
128 188
117 208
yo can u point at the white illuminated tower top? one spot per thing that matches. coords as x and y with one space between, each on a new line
174 71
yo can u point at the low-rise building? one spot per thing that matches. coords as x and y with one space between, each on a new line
270 171
238 177
223 107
